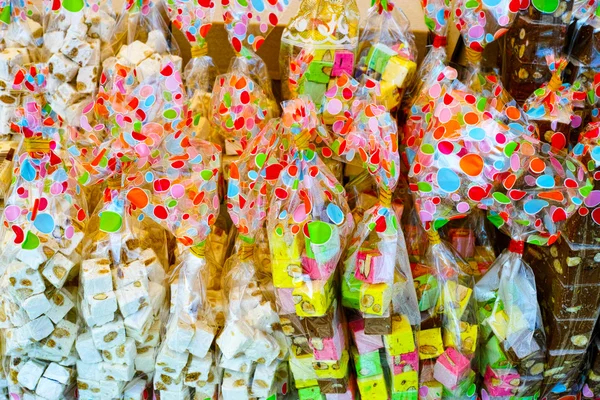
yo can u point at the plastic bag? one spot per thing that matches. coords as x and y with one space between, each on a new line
75 33
593 374
194 19
318 45
386 52
253 345
377 281
242 101
44 222
550 107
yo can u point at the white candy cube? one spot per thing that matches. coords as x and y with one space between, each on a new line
132 298
96 277
62 339
87 349
30 374
109 335
39 328
119 372
202 340
122 354
62 67
144 359
138 325
57 270
49 389
235 338
171 362
58 373
157 41
179 335
91 371
61 303
36 305
135 53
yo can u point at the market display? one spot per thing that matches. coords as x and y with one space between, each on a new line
405 224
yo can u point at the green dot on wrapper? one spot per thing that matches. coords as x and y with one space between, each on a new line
206 174
319 231
260 159
546 6
427 148
73 5
510 148
424 187
170 114
501 198
110 221
31 241
172 203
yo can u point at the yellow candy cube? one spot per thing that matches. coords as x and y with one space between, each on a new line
375 298
498 322
313 298
468 338
430 343
372 387
454 299
302 369
334 369
389 95
401 340
399 71
285 260
301 384
406 381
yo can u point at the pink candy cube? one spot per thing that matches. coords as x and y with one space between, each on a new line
325 349
316 270
450 368
501 382
373 267
343 61
404 362
364 343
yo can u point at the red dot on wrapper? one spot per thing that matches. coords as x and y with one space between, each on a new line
500 138
273 20
445 147
583 211
436 200
160 212
281 194
295 229
571 183
476 193
185 217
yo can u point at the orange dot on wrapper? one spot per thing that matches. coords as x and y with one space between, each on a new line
554 195
513 113
510 180
527 149
138 197
452 127
342 80
536 165
471 118
472 164
439 132
241 83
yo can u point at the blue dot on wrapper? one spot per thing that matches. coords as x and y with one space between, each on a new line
596 153
251 38
536 112
532 207
44 223
515 127
192 30
149 100
259 5
141 217
149 177
447 180
283 214
335 214
545 181
441 19
477 133
578 149
232 189
576 200
559 388
253 175
489 38
27 171
499 165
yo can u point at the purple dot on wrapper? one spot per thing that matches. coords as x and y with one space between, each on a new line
503 20
462 207
11 213
455 197
423 391
591 201
69 232
264 28
56 188
575 121
476 32
240 29
515 162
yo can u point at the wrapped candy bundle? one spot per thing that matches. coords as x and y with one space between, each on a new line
377 281
20 43
242 101
308 223
75 32
194 19
44 224
318 45
183 197
550 107
253 345
539 192
386 52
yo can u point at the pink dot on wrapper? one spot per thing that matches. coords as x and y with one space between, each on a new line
250 124
445 147
515 162
500 138
56 188
264 28
485 146
334 106
425 216
462 207
95 8
177 191
171 83
455 197
476 32
69 232
146 91
11 213
503 20
338 126
300 214
240 29
445 115
142 150
435 90
423 391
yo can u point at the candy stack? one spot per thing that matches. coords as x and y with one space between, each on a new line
73 41
539 25
317 46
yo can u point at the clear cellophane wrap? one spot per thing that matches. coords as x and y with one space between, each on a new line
44 222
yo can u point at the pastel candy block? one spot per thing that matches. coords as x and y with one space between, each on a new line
430 343
57 270
403 362
313 298
498 323
401 339
408 395
454 299
372 387
364 343
328 348
310 393
378 57
376 298
316 270
314 90
468 337
427 289
450 368
351 292
337 369
405 382
285 260
501 382
302 369
368 364
399 71
492 355
318 71
343 62
431 391
323 242
373 267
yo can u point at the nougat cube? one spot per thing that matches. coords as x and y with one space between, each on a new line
401 339
313 298
57 270
431 344
450 368
375 299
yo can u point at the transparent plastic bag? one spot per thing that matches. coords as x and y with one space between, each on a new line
387 53
194 19
318 45
550 107
20 32
75 34
242 101
122 297
44 222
